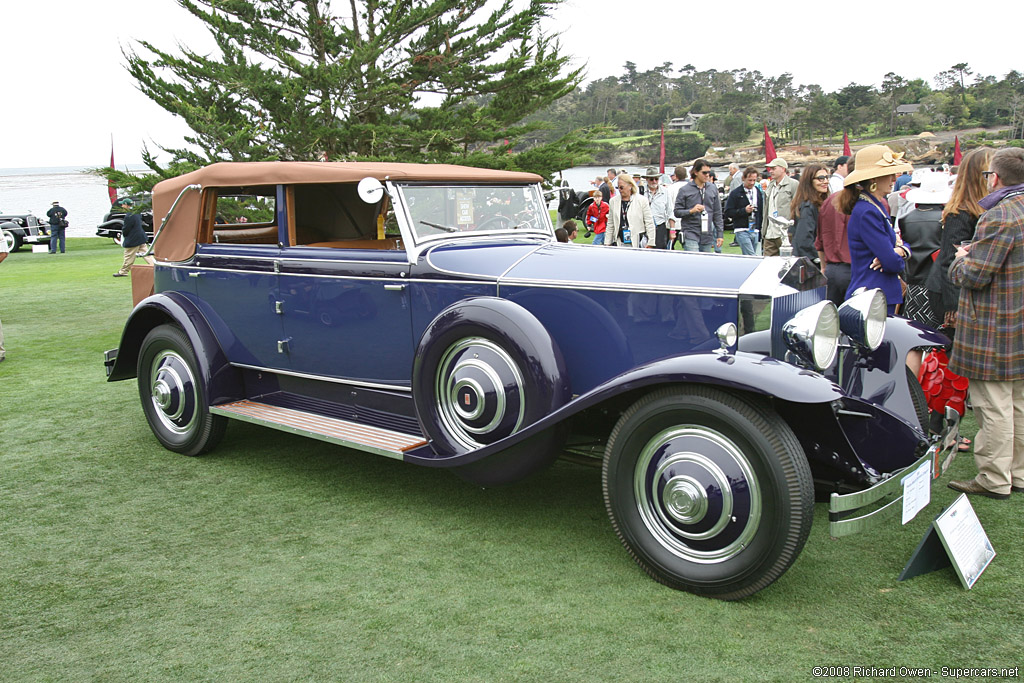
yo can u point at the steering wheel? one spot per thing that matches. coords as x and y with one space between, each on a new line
504 221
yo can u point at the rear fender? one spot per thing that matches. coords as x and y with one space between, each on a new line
222 381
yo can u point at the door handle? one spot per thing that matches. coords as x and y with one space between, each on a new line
394 288
195 273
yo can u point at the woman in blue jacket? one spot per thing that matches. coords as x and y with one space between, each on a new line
877 256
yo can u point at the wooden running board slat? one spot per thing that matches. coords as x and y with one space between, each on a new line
353 435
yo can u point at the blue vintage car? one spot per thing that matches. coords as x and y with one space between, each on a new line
426 313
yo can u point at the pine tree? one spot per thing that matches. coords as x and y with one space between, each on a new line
398 80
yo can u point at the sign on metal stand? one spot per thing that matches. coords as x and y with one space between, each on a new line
955 537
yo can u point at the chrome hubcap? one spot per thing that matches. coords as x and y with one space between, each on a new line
173 392
697 494
480 392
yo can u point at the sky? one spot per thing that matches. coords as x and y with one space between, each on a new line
67 92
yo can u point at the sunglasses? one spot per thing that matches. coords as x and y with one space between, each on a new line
707 172
821 177
988 173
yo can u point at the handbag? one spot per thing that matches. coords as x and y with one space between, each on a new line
942 387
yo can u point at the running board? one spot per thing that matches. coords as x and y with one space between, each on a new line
361 437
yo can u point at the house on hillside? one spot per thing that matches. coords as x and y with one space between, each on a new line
685 123
907 109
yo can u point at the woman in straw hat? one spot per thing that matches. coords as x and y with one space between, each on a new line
877 256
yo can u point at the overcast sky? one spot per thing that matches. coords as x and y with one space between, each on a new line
66 91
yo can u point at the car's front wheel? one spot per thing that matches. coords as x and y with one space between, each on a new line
13 240
710 492
173 395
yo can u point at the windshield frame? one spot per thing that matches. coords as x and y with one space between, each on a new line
398 191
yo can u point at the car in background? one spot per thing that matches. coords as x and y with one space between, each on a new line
22 228
426 313
113 221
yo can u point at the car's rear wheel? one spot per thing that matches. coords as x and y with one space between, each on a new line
710 492
173 395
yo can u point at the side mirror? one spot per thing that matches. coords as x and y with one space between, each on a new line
370 190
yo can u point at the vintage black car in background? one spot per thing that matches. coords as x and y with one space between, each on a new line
425 313
22 228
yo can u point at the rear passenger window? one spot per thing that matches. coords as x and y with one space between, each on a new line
240 215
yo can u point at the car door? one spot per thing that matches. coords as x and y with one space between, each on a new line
343 290
236 276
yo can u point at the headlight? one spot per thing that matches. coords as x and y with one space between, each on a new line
862 318
813 334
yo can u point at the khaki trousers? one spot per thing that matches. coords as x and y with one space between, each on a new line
130 253
999 446
771 246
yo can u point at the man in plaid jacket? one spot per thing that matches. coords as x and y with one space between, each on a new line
989 344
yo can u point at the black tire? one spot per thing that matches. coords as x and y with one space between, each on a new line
920 401
173 393
710 492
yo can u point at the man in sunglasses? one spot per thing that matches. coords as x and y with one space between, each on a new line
699 211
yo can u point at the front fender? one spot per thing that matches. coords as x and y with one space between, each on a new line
741 371
222 381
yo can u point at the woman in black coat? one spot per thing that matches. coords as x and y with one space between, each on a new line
959 219
810 193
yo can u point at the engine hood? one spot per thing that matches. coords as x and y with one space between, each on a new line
596 267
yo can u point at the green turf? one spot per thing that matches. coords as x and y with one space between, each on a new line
281 558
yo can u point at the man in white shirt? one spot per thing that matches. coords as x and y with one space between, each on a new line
842 169
678 176
660 212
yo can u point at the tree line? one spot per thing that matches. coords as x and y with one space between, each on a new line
736 102
478 83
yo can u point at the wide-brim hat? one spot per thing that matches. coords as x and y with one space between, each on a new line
934 189
876 161
652 173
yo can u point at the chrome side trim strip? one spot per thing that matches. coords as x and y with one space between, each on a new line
616 287
324 378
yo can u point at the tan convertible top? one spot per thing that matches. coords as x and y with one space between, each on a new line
178 237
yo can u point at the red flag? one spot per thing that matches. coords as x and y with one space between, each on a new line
769 147
846 145
957 154
111 190
661 162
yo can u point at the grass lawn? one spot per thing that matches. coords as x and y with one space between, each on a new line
281 558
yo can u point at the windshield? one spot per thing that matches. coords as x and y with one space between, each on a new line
436 211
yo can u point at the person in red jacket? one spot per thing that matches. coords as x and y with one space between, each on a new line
597 218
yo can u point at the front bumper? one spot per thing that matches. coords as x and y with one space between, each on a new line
852 513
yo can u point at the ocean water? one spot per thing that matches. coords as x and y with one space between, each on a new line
33 190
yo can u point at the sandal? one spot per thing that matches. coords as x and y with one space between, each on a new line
965 445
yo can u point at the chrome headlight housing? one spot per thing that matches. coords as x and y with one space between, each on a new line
862 318
813 334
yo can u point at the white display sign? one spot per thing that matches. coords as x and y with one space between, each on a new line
917 490
965 540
